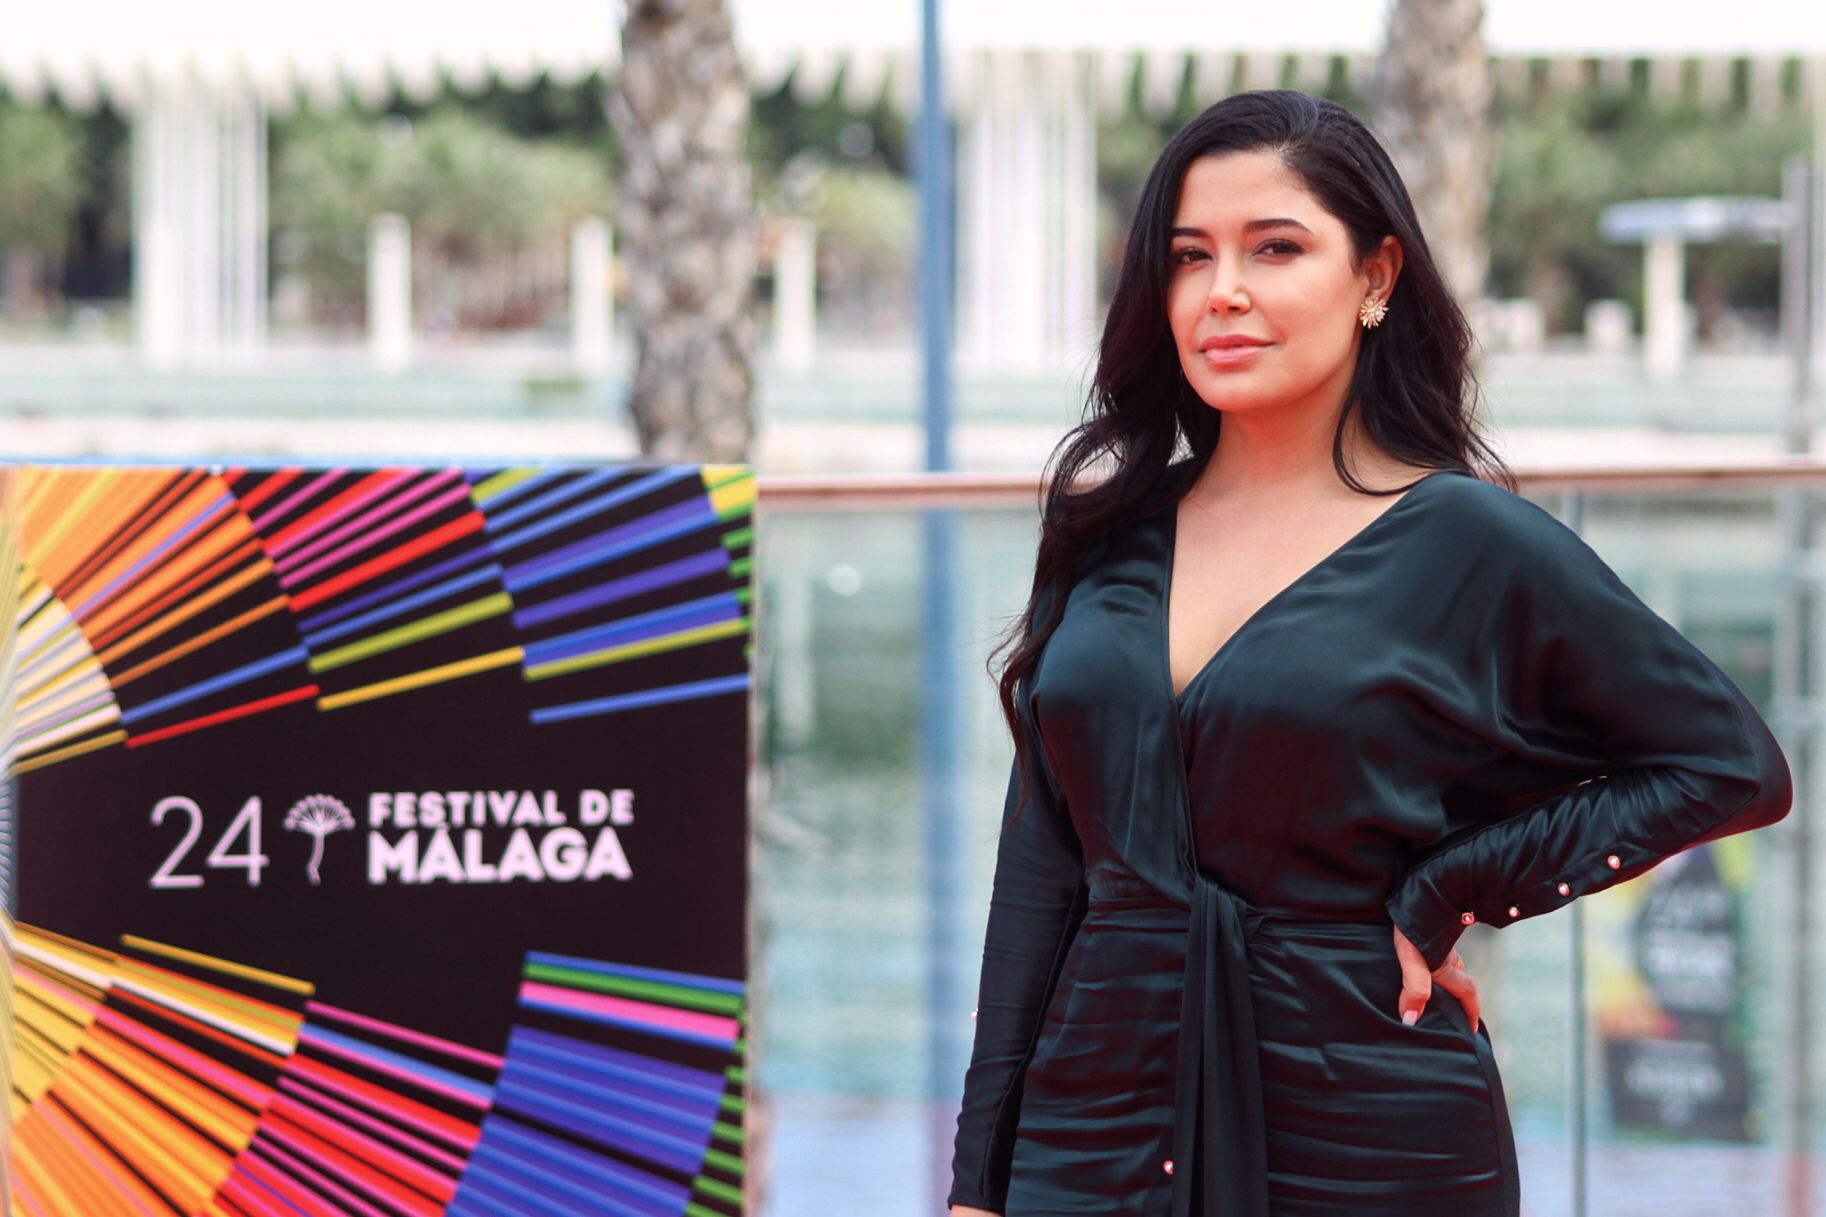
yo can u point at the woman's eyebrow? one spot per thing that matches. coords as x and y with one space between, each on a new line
1251 226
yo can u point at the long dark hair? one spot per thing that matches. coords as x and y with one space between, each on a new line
1413 384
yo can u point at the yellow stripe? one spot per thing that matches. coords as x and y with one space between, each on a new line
68 751
634 650
288 983
501 482
419 680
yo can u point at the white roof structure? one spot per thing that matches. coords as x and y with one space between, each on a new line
1027 79
122 48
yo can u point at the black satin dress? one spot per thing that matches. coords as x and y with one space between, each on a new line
1188 1003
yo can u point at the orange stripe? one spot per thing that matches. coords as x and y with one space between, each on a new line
248 548
195 1162
101 1186
201 640
43 1173
187 511
122 521
226 1123
154 586
132 1133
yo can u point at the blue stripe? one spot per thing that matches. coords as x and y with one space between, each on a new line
661 1109
319 620
711 561
675 1152
709 610
597 506
405 605
241 675
398 1060
611 544
569 490
612 1064
647 697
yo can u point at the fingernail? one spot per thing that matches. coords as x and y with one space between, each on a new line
1411 1017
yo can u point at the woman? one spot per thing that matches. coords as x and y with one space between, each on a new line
1293 710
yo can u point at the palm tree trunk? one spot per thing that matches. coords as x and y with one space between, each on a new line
1431 107
685 217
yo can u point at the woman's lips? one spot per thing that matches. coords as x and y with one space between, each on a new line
1230 357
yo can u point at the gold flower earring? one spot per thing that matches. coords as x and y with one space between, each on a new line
1371 312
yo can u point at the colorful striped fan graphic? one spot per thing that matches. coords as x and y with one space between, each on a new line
267 633
154 1080
156 603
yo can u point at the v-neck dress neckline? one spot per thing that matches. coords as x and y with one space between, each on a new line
1360 537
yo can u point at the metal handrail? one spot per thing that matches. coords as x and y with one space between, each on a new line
852 491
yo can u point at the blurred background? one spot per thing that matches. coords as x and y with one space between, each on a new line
735 230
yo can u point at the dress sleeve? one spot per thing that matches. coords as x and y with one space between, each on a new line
1578 674
1037 901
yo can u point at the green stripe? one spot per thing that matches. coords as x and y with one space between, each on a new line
716 1189
649 990
417 631
729 1164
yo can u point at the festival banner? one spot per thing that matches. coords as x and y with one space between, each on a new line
375 840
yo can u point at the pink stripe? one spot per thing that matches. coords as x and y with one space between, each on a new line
387 1160
256 1167
23 1192
317 1178
243 1193
294 578
34 980
399 1114
393 1071
398 1136
406 1034
225 1080
714 1025
306 491
398 502
381 485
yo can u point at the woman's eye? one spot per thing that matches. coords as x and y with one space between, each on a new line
1281 247
1181 258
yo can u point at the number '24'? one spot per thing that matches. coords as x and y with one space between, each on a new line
246 824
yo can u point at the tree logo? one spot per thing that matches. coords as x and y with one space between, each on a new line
320 815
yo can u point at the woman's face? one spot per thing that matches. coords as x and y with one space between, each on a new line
1254 255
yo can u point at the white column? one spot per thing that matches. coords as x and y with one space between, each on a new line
1664 305
592 296
199 223
390 291
795 319
1027 198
